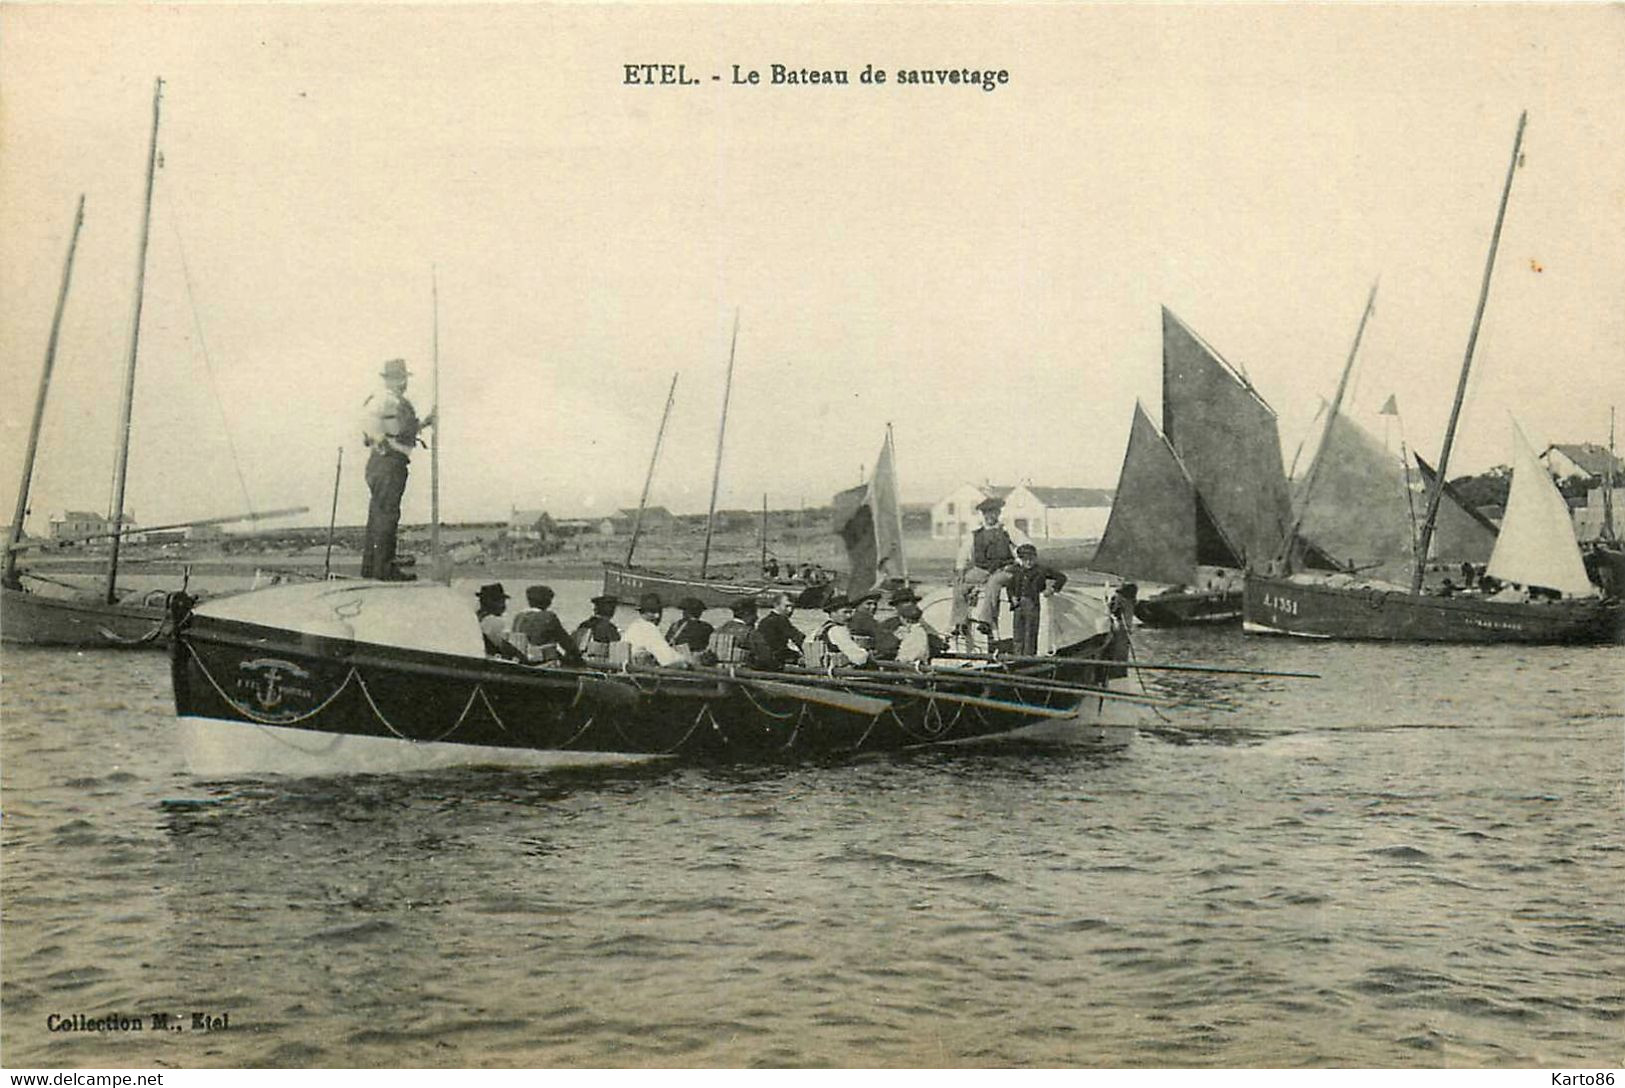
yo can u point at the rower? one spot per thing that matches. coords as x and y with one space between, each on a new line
493 603
595 633
834 635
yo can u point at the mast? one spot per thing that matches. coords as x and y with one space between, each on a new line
1425 541
1608 484
722 429
121 470
1285 550
333 517
897 501
10 576
764 530
436 557
643 500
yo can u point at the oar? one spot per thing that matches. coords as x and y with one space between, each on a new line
1062 659
1036 683
770 684
812 676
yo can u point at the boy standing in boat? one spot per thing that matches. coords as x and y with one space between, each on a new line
390 430
1029 584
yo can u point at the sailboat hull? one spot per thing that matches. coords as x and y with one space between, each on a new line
630 583
1281 606
1189 609
260 699
35 620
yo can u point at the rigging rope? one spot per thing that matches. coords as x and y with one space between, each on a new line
208 366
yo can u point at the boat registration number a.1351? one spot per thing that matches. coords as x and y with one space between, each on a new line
1281 604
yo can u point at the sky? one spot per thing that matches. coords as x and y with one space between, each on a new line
983 270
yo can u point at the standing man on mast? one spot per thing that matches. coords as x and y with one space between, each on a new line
390 429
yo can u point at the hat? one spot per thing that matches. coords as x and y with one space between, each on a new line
872 595
650 602
767 600
395 368
493 591
1129 590
992 502
745 606
539 596
1027 549
691 606
836 603
909 611
607 598
903 595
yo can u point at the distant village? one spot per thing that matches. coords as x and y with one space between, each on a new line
1071 514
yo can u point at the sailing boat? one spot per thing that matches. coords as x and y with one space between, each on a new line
627 581
1199 500
1535 548
104 619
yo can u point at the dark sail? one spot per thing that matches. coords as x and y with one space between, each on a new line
1159 528
855 525
1462 533
1360 512
1226 437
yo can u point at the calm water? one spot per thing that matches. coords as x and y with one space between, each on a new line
1417 860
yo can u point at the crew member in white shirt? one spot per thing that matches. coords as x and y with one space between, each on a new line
644 637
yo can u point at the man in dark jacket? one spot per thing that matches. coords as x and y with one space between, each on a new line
775 642
545 637
594 634
1030 582
690 634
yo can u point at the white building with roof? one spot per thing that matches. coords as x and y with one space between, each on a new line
1043 513
1064 513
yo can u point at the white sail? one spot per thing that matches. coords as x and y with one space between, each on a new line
1537 546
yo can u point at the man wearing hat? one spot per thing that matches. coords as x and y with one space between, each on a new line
868 629
597 631
835 635
986 556
776 641
390 430
493 603
728 642
917 643
690 634
545 637
643 636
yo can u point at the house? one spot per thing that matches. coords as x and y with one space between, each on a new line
955 514
1590 519
1067 513
76 525
1043 513
530 525
1584 460
655 518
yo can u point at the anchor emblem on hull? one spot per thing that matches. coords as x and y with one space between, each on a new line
273 683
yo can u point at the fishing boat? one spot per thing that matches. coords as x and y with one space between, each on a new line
320 678
1199 499
1539 591
627 581
367 676
107 617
